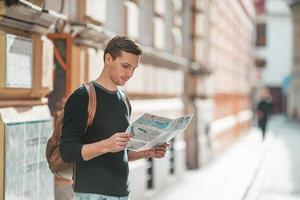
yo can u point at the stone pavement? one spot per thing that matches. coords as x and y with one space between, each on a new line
233 176
279 175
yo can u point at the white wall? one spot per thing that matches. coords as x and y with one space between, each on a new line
278 52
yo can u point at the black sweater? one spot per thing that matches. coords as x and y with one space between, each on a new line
106 174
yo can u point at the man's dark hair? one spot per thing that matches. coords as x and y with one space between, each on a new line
121 43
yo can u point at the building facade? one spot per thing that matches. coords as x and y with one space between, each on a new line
275 23
224 32
294 93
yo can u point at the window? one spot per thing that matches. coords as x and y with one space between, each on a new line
200 24
132 19
261 35
159 41
177 27
177 37
96 10
177 9
158 21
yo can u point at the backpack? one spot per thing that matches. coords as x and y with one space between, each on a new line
55 162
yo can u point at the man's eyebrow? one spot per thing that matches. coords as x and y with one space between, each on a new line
125 63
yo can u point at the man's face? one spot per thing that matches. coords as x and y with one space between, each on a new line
121 69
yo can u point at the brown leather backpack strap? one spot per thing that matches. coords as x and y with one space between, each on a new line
92 102
57 126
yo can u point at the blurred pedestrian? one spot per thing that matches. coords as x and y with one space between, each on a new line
264 109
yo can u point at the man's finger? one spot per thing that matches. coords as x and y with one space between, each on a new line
124 135
160 149
160 153
121 139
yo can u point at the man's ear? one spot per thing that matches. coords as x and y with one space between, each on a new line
108 59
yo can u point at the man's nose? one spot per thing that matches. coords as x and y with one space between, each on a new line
129 72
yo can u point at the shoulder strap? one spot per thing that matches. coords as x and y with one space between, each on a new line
126 100
92 102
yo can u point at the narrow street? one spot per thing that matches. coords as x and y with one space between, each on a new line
279 175
249 170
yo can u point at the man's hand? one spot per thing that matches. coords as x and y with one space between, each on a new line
117 142
157 151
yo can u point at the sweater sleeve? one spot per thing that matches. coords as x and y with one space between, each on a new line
73 127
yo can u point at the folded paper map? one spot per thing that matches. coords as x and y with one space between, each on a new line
151 130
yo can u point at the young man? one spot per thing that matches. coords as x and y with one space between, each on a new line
100 155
